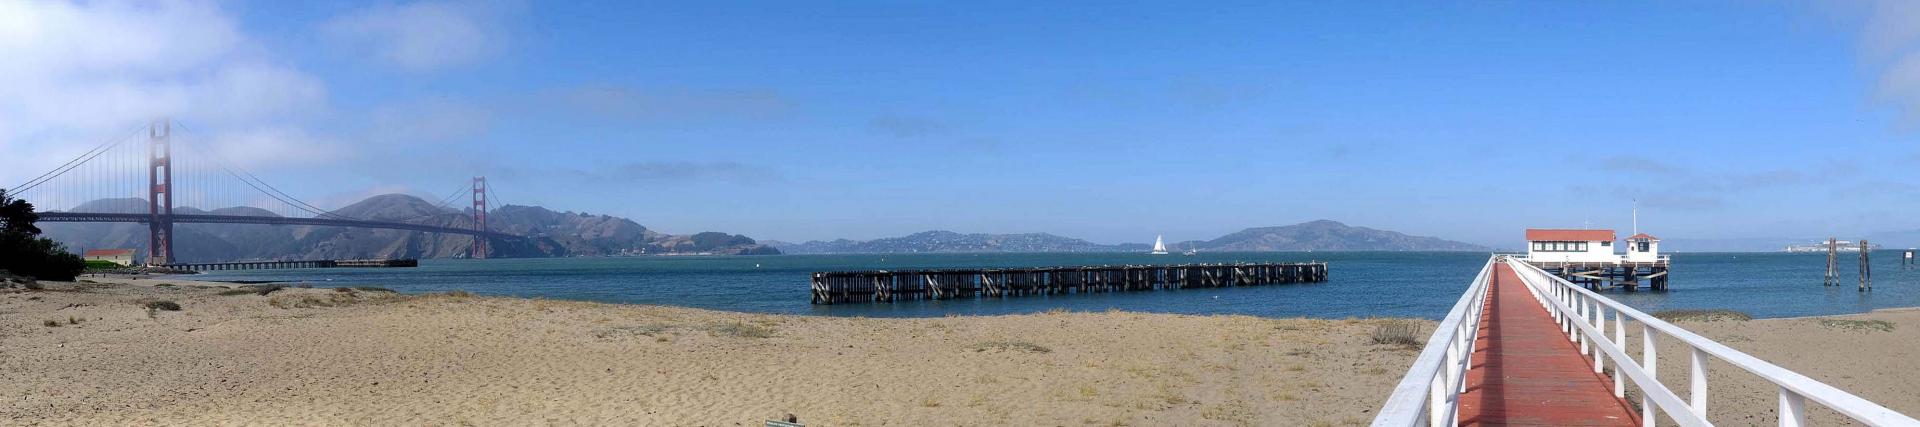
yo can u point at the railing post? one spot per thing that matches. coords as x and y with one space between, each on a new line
1698 375
1620 340
1577 335
1793 409
1453 362
1648 362
1600 322
1436 401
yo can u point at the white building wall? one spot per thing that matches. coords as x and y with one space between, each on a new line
1595 253
1652 254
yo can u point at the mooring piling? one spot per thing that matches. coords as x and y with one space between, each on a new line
1866 268
1833 265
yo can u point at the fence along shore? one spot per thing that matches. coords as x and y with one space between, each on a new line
874 286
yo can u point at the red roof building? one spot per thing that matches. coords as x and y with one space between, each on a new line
1568 235
116 256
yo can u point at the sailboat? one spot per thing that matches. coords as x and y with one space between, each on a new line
1192 250
1159 247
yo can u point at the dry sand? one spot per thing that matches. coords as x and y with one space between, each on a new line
1871 355
323 357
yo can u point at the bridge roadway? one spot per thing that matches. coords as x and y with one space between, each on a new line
269 220
1526 372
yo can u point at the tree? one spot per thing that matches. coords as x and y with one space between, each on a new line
24 252
17 215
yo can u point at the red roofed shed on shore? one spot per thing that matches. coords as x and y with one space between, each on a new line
1547 235
1643 236
116 256
109 252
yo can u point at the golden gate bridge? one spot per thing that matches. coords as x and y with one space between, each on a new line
86 189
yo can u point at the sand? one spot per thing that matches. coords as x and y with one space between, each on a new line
324 357
1870 355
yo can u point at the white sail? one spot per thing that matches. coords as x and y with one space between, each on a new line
1159 247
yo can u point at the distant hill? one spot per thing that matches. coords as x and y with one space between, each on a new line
550 234
951 242
1316 236
1326 235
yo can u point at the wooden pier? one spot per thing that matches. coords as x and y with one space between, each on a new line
1602 275
841 287
318 263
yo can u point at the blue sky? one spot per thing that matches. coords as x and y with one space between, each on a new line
1111 122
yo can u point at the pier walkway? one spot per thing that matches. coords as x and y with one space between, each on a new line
1523 346
1526 372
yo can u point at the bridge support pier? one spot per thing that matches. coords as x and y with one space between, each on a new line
160 193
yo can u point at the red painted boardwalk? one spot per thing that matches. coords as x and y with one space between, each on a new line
1525 372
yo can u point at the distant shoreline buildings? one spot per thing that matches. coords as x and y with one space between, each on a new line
1843 246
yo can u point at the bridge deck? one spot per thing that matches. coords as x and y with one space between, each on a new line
1525 372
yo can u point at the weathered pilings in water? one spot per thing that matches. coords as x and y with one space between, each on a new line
318 263
1866 269
840 287
1833 266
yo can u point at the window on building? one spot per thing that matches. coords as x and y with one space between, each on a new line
1560 246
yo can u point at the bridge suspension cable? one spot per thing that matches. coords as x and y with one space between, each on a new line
95 152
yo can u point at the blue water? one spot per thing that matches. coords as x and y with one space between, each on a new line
1361 284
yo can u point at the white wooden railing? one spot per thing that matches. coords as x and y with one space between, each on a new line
1583 314
1431 390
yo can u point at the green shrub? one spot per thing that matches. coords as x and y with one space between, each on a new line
28 255
23 252
163 306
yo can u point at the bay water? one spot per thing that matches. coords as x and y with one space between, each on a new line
1360 284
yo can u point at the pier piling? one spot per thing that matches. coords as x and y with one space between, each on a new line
1866 268
841 287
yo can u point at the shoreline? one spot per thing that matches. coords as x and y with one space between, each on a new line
369 357
90 353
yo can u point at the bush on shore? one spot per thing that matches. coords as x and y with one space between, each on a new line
24 252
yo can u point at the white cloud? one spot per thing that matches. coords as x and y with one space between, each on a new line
422 36
260 147
1891 40
76 74
428 122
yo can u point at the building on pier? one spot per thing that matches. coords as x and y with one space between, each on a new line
1589 257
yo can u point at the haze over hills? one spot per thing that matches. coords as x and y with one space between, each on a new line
950 242
550 234
1322 235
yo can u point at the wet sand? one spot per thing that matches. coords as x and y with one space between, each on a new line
93 354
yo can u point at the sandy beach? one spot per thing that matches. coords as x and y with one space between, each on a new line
1869 355
94 354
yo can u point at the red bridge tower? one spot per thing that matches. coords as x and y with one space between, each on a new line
160 193
479 217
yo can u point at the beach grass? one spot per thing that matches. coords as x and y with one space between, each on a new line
1022 346
1709 315
1405 333
740 330
1857 325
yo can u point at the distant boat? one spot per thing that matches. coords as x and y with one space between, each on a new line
1191 250
1159 247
